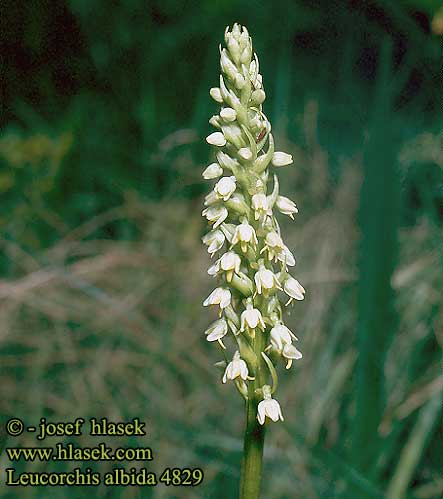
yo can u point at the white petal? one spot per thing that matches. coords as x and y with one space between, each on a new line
261 412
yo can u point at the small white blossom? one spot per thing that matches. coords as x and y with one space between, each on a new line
220 296
244 234
293 289
291 353
236 368
216 139
286 256
214 170
265 280
228 114
214 240
286 206
216 215
273 245
211 198
268 407
215 93
216 331
230 262
281 336
215 268
251 318
281 159
225 187
260 205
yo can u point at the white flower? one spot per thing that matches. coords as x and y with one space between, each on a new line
293 289
237 367
211 198
214 170
260 205
214 240
281 336
225 187
228 114
216 214
244 234
286 206
216 331
286 256
214 269
230 262
216 139
245 153
215 93
291 353
251 318
268 407
273 244
265 280
220 296
281 159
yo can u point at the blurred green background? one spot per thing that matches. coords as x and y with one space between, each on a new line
104 114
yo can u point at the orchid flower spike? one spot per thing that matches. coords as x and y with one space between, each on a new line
252 260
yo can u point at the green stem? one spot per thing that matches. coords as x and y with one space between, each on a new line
252 452
251 469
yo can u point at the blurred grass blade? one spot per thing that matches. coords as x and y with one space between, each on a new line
379 214
412 451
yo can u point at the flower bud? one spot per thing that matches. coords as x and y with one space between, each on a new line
215 93
228 114
214 170
258 97
216 139
228 67
281 159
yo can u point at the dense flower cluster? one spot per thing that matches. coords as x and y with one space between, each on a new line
252 268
